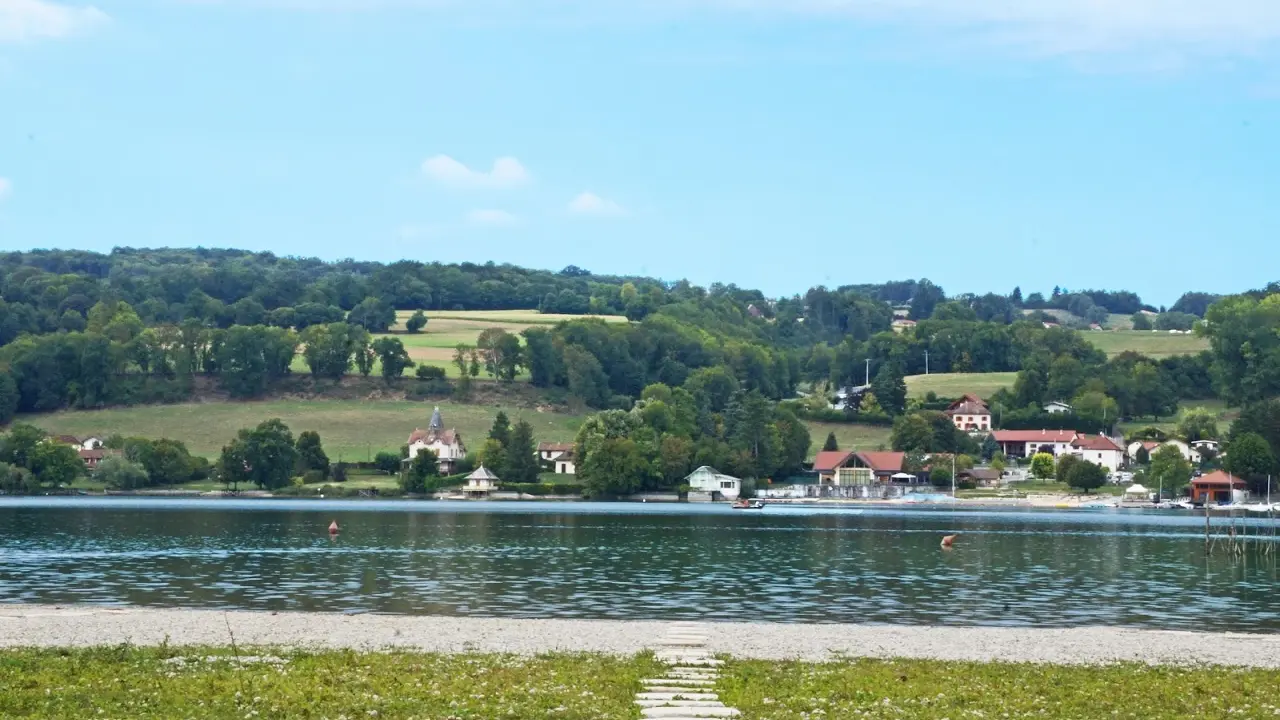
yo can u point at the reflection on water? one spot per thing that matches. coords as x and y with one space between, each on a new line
1049 568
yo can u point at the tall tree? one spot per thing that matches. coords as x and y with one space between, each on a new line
890 388
311 455
373 315
265 455
1170 469
501 429
831 444
522 456
393 356
416 322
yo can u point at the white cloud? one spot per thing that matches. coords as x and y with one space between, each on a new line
492 218
589 203
6 187
24 20
506 172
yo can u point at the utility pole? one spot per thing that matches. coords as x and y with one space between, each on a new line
953 475
926 362
868 378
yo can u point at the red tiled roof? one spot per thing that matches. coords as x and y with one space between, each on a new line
1218 477
448 437
1094 442
67 439
829 460
92 454
883 461
1045 436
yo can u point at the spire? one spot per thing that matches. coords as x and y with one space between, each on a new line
437 422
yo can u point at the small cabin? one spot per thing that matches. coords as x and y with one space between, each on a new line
480 483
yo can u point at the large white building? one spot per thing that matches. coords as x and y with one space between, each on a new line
719 486
446 444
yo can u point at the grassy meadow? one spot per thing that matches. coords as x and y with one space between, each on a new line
954 385
850 436
353 430
1157 345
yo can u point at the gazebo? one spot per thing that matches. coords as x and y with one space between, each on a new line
480 483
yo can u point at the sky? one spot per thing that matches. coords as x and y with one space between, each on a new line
775 144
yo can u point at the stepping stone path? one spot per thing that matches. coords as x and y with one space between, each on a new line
687 690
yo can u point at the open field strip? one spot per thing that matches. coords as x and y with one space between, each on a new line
954 385
352 430
1157 345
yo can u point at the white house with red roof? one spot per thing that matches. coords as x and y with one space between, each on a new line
1025 443
446 444
1099 450
1189 453
970 414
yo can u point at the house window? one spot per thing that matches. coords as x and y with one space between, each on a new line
726 484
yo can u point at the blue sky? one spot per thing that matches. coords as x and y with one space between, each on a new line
776 144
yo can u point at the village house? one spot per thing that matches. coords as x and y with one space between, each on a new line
708 484
903 324
970 414
559 456
982 477
1099 450
1218 488
446 444
1058 408
844 468
1189 453
1025 443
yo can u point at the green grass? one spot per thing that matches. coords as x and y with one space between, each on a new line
1155 345
353 430
1170 424
163 683
849 436
954 385
1040 487
934 690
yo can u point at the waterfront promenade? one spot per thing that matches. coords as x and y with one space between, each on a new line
80 626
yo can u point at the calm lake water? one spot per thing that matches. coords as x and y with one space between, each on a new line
589 560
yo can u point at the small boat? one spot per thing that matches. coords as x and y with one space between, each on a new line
749 505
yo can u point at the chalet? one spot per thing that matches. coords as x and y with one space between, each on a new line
559 456
970 414
1099 450
66 440
903 324
92 458
1058 408
841 468
1219 488
446 444
1025 443
982 477
712 484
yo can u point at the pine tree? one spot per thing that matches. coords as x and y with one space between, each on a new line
521 465
501 430
831 443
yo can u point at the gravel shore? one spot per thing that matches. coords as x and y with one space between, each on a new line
45 626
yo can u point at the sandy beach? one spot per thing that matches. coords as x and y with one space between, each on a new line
46 626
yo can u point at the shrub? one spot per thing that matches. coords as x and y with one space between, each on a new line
313 477
429 372
340 472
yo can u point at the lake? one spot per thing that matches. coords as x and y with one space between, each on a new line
651 561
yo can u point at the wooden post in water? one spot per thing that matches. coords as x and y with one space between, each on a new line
1206 526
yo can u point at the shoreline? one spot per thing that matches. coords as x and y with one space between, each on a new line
23 625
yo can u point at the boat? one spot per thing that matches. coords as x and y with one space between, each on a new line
749 505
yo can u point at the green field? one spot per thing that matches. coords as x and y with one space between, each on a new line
1225 417
1152 344
850 436
353 430
954 385
445 330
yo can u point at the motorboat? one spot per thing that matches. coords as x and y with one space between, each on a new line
749 505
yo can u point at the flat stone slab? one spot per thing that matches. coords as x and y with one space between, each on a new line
689 682
682 713
686 704
676 695
674 689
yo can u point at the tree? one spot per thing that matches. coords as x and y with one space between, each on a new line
1143 456
373 315
617 466
1042 466
1141 322
990 448
328 349
363 352
419 478
998 462
416 322
501 352
167 462
265 456
392 355
387 463
1250 457
492 455
1086 476
1197 423
53 463
587 379
20 443
15 480
522 457
501 430
890 388
675 454
870 405
311 455
1066 464
912 433
121 474
831 443
8 398
1169 468
940 477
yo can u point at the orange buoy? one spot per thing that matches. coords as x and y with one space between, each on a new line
333 528
948 541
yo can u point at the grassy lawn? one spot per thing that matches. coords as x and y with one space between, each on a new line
164 683
933 690
954 385
1040 487
1152 344
353 430
1169 425
850 436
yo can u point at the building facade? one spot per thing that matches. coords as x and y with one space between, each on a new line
446 444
